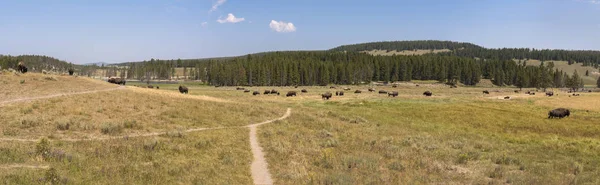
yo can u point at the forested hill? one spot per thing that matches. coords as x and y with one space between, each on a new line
406 45
35 63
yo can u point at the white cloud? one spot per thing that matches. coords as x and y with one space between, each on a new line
216 5
282 27
204 24
590 1
230 19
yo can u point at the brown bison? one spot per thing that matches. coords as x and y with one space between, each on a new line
255 93
304 91
427 93
347 89
239 88
516 91
291 93
267 92
119 81
575 94
393 93
371 90
394 86
550 93
326 96
71 71
183 89
21 68
273 91
332 87
382 92
486 92
295 86
357 91
339 93
507 97
157 87
559 113
150 87
246 91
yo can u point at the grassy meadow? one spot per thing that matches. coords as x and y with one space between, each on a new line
457 136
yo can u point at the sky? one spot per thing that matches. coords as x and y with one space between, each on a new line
134 30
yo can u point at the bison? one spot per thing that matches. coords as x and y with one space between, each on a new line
486 92
332 87
157 87
326 96
119 81
507 97
255 93
393 93
394 86
339 93
267 92
559 113
304 91
246 91
21 68
427 93
183 89
516 91
347 89
150 87
357 91
550 93
71 71
239 88
371 90
291 93
382 92
273 91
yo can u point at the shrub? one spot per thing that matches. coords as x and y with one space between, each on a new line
109 128
63 125
131 124
151 145
43 148
29 122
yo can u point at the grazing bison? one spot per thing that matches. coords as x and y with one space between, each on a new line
304 91
427 93
21 68
295 86
589 90
239 88
575 94
326 96
347 89
382 92
486 92
150 87
267 92
119 81
255 93
357 91
246 91
273 91
417 85
71 71
393 93
332 87
183 89
550 93
559 113
371 90
394 86
339 93
516 91
507 97
157 87
291 93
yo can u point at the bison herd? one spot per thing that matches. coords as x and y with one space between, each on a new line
119 81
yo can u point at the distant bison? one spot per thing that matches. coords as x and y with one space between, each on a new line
119 81
486 92
516 91
382 92
589 90
393 93
550 93
246 91
291 93
559 113
239 88
427 93
332 87
371 90
21 68
267 92
183 89
157 87
150 87
274 92
507 97
417 85
304 91
575 94
394 86
347 89
71 71
255 93
339 93
295 86
358 91
326 96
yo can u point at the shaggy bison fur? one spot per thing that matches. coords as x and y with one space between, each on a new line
21 68
559 113
326 96
358 91
291 93
119 81
274 92
486 92
246 91
267 92
382 92
71 71
550 93
393 93
183 89
304 91
339 93
427 93
255 93
371 90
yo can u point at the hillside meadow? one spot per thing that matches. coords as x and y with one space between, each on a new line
132 135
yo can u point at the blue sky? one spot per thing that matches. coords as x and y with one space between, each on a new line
134 30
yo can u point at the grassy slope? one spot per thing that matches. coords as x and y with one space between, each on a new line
458 136
569 69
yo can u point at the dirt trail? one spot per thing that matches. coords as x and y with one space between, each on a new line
259 168
25 166
56 95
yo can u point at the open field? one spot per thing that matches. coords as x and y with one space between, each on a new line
139 136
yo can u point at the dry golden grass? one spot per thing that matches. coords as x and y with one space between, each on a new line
406 52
